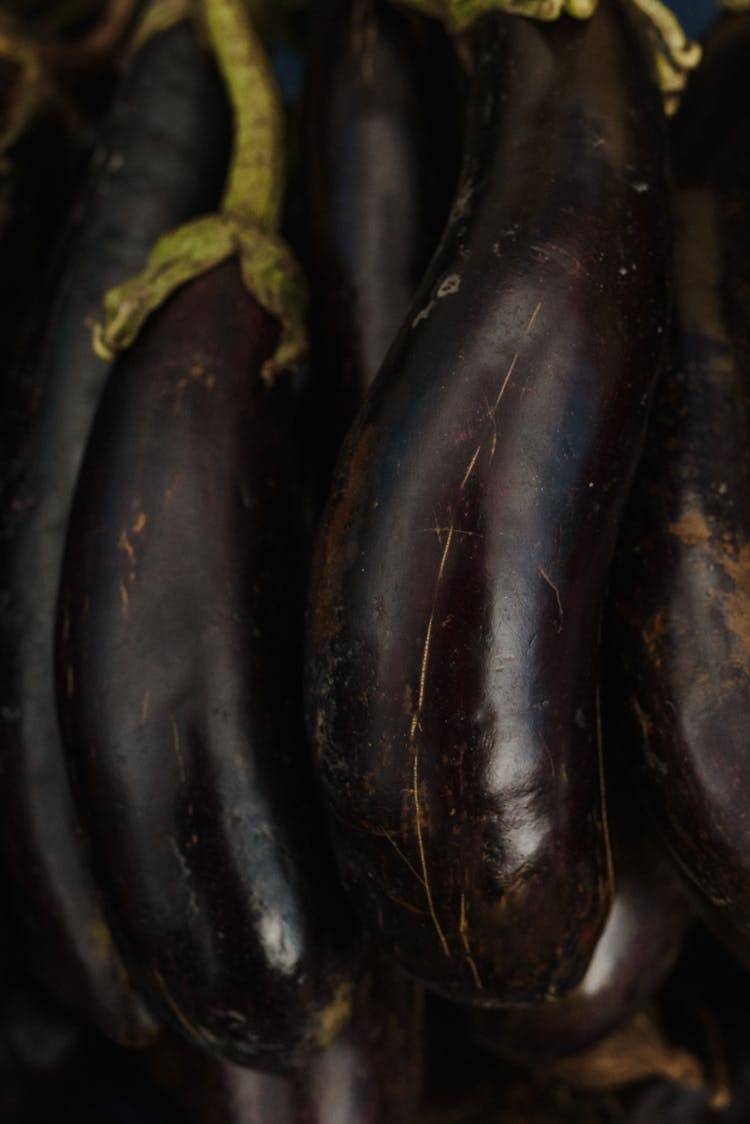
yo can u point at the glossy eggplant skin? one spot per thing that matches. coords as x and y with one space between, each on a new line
162 159
371 1074
382 134
681 594
460 569
636 951
182 605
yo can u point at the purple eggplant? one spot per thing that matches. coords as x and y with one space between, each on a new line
382 135
681 594
455 606
181 626
636 951
371 1074
181 641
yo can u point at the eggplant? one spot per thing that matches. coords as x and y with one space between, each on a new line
161 160
457 589
180 669
371 1074
181 622
636 951
681 593
382 133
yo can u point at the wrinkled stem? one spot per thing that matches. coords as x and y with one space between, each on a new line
255 186
247 224
674 54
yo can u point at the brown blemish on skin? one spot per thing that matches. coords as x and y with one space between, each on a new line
691 528
326 621
736 603
652 633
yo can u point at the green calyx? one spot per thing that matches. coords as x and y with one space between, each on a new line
457 15
269 272
674 54
249 218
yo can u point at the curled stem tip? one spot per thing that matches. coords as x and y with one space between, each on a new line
674 54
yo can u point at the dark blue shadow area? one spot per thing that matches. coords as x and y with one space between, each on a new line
696 16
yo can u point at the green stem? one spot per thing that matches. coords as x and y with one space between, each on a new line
674 54
255 187
248 221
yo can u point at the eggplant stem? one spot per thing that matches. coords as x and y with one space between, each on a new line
248 219
159 16
255 187
674 53
98 44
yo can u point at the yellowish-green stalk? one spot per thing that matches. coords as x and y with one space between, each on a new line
248 221
159 15
29 91
675 55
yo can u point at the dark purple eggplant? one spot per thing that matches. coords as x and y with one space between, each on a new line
382 136
681 595
182 606
371 1074
457 591
637 949
181 624
162 159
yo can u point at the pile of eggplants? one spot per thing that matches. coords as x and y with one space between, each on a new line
375 570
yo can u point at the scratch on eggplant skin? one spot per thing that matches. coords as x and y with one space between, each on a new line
470 469
176 745
463 928
192 1030
642 719
440 531
546 578
603 791
187 873
417 714
124 599
382 831
145 706
423 314
492 411
407 905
